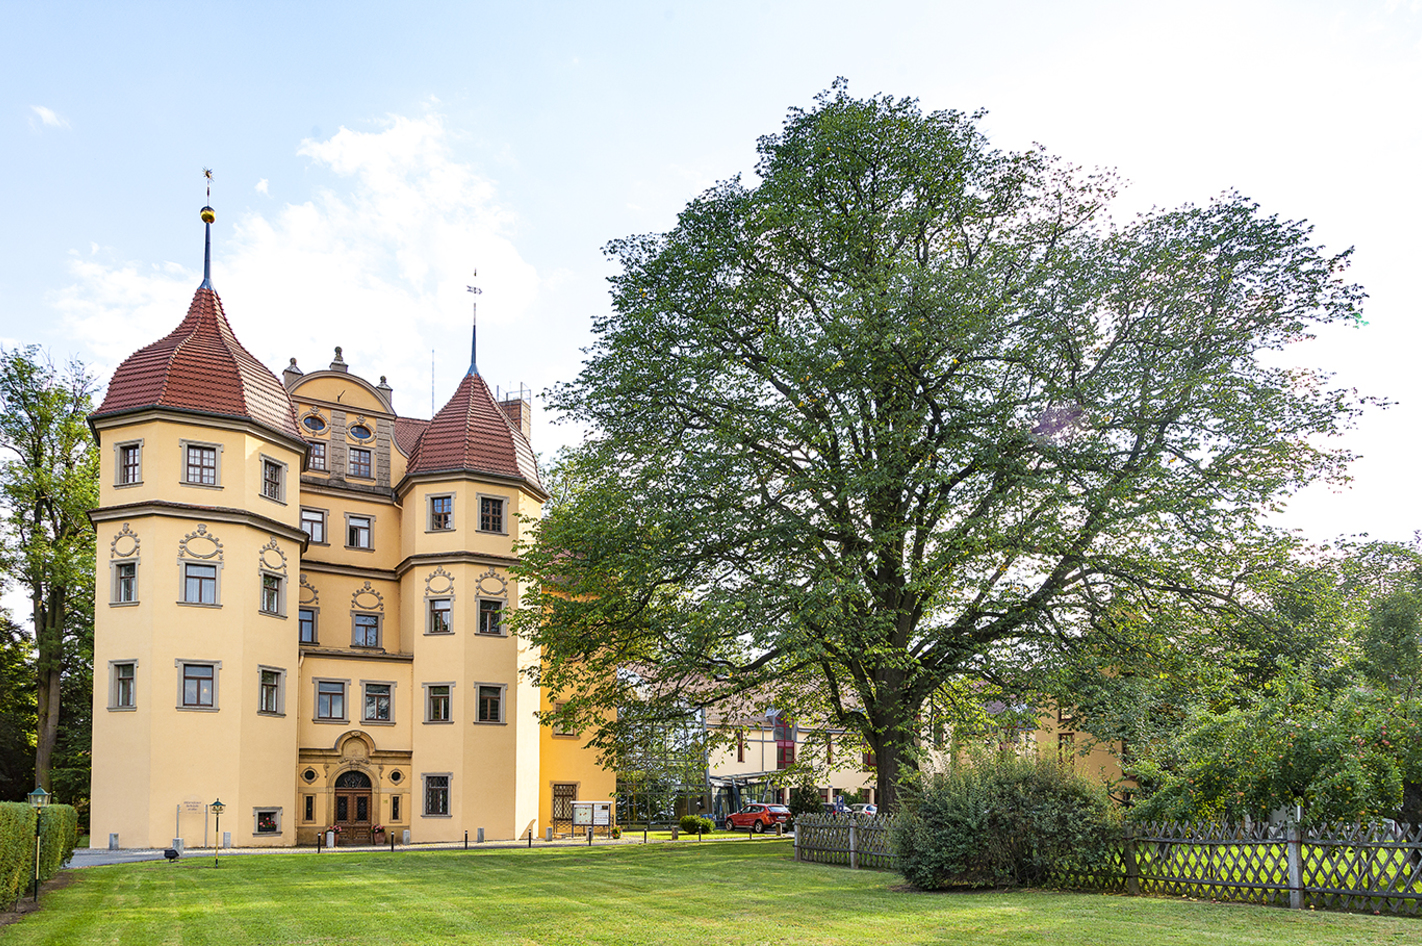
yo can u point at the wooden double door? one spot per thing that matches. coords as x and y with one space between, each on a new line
354 806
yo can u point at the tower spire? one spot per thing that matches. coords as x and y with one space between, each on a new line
474 333
207 217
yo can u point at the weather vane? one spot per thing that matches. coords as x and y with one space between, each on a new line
207 215
474 335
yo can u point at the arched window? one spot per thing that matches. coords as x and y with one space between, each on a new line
353 779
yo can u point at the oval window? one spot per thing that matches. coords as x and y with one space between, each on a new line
314 424
360 432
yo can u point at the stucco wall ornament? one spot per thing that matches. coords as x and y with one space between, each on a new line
306 587
200 544
440 583
368 599
493 585
125 544
272 558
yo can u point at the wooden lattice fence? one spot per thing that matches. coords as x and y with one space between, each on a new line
1374 867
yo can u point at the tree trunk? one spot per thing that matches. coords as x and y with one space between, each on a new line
47 725
49 675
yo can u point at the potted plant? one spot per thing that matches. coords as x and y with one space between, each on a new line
377 834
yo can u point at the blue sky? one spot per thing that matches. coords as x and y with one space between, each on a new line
368 157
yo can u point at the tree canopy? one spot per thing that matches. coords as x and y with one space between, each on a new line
909 408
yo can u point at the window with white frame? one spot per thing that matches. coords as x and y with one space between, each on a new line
441 514
125 580
200 464
358 463
491 514
377 702
331 700
273 480
123 683
441 616
273 596
490 702
491 616
358 532
313 523
128 463
437 696
365 630
437 796
266 821
271 686
197 684
199 583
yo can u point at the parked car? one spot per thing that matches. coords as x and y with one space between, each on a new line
758 817
864 809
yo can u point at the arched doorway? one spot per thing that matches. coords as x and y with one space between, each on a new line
353 807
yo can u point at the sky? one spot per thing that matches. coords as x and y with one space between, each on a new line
369 158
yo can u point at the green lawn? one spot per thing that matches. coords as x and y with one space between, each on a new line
702 894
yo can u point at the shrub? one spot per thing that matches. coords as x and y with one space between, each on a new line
805 800
1000 821
59 832
690 824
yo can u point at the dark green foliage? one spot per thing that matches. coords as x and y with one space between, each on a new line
1000 821
908 411
805 800
692 824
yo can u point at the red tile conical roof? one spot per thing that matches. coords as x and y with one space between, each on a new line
472 434
200 366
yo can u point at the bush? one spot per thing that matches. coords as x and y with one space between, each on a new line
1000 822
805 800
690 824
59 832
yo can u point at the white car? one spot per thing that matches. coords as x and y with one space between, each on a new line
864 809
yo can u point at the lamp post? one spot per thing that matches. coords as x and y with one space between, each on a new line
39 798
217 809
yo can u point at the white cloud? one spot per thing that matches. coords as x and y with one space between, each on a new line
48 117
378 265
261 187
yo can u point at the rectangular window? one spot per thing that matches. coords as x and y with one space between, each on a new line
441 513
394 807
740 747
271 480
1066 748
130 464
270 695
330 699
268 821
271 594
441 616
491 704
358 532
316 459
313 523
377 702
309 808
124 676
491 616
306 620
870 761
359 462
200 466
437 698
198 685
365 630
784 755
560 727
125 582
200 584
491 514
437 795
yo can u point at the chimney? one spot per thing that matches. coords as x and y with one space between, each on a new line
520 413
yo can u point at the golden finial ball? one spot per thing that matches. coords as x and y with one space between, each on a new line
207 215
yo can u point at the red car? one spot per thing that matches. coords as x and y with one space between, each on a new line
758 817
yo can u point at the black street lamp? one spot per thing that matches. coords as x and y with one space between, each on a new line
217 808
39 798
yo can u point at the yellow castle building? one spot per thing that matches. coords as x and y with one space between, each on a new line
301 602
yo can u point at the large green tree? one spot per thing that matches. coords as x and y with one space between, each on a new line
48 483
908 407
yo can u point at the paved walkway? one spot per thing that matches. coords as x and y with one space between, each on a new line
96 857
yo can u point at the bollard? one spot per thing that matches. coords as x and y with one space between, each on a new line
698 831
479 838
797 842
590 831
466 839
675 831
530 837
644 833
392 842
780 829
548 833
319 835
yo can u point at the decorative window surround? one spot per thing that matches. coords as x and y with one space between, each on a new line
123 685
271 691
192 698
128 463
273 483
195 470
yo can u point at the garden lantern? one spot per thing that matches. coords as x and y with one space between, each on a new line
217 808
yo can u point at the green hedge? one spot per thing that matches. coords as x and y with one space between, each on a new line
59 832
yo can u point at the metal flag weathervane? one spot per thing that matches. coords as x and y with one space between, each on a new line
474 335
